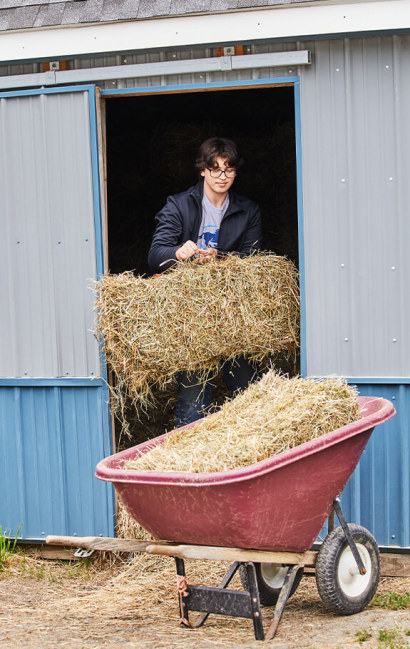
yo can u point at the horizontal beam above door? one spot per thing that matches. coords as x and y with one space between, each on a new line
141 70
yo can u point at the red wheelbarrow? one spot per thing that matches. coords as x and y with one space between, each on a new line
264 517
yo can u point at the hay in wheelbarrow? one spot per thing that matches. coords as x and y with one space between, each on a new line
193 317
273 415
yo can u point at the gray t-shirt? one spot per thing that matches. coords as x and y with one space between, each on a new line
210 223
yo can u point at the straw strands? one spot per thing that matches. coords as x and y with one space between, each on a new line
269 417
193 317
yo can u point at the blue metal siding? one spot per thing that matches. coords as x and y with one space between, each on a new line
51 438
378 494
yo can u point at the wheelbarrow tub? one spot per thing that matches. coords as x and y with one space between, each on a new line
280 503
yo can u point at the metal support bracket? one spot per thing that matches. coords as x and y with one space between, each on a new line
337 508
221 600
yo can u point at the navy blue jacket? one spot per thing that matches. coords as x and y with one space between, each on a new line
180 220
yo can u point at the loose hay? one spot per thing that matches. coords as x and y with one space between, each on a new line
271 416
193 317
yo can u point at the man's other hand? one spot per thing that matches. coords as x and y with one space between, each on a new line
186 251
206 255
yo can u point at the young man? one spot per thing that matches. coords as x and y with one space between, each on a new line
200 222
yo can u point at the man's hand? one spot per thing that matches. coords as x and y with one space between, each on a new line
206 255
188 250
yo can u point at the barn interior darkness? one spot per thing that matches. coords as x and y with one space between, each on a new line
152 142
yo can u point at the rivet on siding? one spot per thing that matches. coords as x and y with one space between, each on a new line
343 180
86 239
290 71
174 56
395 340
25 373
342 265
393 398
391 179
43 533
58 241
346 340
201 76
387 67
91 373
67 373
393 536
18 241
393 267
337 69
75 534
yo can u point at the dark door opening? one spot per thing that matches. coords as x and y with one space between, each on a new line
152 142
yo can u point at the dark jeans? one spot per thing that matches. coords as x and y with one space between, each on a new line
195 399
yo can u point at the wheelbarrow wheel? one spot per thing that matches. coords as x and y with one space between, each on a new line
341 587
270 578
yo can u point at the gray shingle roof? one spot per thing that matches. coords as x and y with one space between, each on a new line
33 13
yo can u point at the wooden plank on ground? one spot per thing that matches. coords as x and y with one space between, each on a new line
395 565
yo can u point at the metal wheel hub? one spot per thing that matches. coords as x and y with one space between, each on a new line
350 580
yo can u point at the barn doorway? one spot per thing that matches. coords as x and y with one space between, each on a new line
151 145
152 141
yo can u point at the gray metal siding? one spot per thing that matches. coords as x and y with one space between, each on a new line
355 102
47 248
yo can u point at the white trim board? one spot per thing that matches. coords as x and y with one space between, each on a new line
278 22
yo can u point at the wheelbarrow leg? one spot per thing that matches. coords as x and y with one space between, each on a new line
282 599
255 603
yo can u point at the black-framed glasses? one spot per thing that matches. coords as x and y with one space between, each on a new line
217 173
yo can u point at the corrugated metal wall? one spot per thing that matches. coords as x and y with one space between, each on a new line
355 102
47 247
51 438
378 494
53 430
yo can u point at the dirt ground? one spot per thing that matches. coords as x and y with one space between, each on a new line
47 604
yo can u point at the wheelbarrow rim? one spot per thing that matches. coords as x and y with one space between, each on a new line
374 410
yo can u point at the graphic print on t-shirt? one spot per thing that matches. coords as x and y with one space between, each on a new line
210 223
209 237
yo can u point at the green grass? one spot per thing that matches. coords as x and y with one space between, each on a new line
364 635
391 639
394 601
7 547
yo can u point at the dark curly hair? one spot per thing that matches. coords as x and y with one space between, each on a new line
217 147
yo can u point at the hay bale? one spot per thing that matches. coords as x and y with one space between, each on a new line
271 416
193 317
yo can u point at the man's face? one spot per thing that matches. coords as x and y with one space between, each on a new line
222 184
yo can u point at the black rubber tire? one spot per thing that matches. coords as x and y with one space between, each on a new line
342 589
267 594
